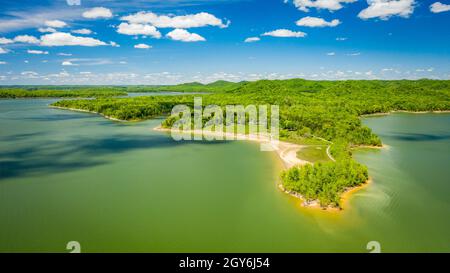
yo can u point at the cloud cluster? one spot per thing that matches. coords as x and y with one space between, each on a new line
384 9
147 24
67 63
55 23
438 7
83 31
46 29
58 39
142 46
252 39
67 39
184 36
73 2
316 22
138 29
38 52
97 12
28 39
332 5
285 33
5 41
201 19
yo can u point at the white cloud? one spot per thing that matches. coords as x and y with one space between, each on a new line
26 18
384 9
26 39
3 51
354 54
184 36
439 7
201 19
64 54
46 29
114 44
252 39
55 23
431 69
341 38
4 41
142 46
331 54
89 61
67 39
331 5
2 62
29 73
84 31
316 22
138 29
68 63
39 52
284 33
73 2
97 12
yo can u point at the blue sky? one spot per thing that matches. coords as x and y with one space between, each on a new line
168 42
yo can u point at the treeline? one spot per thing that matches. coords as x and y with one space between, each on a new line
308 110
194 87
131 109
22 93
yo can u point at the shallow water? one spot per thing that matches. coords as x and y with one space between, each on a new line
68 176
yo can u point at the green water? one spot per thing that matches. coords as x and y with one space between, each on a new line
67 176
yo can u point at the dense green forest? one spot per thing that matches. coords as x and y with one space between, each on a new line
43 93
308 109
195 87
325 181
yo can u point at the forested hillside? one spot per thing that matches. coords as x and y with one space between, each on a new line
45 93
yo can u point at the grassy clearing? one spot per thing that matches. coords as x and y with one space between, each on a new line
314 153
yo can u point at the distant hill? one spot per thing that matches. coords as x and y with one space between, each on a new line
193 87
217 86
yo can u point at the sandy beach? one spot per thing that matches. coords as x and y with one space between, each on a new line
87 111
285 150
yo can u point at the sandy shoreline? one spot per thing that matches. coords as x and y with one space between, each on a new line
315 204
87 111
285 150
408 112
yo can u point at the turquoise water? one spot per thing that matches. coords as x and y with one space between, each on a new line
68 176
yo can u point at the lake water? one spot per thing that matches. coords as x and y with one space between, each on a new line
68 176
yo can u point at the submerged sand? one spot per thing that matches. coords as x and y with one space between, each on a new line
285 150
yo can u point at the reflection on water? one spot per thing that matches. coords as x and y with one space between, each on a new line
418 137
